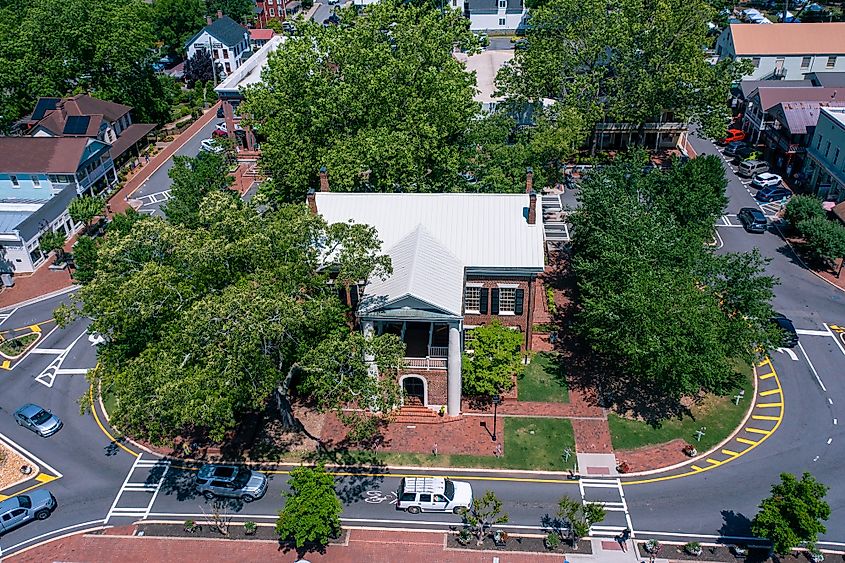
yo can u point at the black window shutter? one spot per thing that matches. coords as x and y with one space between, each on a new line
520 298
495 302
484 298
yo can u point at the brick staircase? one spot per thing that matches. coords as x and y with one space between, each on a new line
418 414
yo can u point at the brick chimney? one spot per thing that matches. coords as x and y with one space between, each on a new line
219 14
529 180
208 20
312 202
532 207
324 180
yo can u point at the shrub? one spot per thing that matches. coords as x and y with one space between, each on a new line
693 548
191 526
824 240
801 208
250 527
552 541
652 546
550 300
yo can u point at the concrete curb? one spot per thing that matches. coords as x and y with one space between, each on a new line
801 260
36 469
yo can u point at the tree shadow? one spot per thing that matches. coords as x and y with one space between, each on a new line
735 524
357 460
601 381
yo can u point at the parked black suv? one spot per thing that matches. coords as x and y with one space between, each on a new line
753 220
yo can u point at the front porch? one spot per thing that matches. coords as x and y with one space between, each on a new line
426 343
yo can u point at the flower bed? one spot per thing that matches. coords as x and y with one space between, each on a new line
519 543
10 467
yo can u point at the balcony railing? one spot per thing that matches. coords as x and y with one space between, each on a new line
96 174
438 351
426 363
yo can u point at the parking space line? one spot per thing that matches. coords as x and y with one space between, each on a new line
713 461
812 367
768 405
766 376
836 338
746 441
730 452
763 417
755 430
695 468
770 392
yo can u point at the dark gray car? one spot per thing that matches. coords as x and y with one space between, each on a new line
38 419
35 505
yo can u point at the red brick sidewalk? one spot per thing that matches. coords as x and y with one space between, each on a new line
120 201
364 546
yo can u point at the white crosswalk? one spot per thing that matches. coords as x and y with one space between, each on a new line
157 197
144 467
610 506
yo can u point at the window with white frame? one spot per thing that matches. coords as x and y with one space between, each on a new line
469 337
502 22
507 300
35 181
272 12
756 62
831 62
805 62
503 3
472 299
15 182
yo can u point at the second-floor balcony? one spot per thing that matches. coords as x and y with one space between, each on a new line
95 174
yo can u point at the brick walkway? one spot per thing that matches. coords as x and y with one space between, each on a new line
654 457
364 546
465 435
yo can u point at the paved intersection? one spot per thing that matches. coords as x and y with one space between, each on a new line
98 480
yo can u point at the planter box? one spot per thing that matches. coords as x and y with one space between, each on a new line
520 544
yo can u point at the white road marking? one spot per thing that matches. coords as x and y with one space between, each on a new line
819 379
135 487
815 458
48 376
805 332
829 440
5 316
27 454
836 339
36 538
791 354
52 351
835 422
829 400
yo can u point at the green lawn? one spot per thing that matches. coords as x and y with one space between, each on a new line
719 414
542 450
14 347
543 380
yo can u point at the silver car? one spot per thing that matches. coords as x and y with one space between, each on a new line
39 420
231 481
35 505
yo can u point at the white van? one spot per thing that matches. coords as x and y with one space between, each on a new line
749 168
433 494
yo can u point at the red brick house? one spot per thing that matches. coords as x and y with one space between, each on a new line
459 261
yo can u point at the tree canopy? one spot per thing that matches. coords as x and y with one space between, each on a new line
175 21
657 307
311 515
105 47
194 178
239 10
209 322
793 514
624 61
379 100
495 359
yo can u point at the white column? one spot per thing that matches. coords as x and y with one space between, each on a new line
453 386
368 329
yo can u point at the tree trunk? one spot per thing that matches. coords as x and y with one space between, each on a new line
283 403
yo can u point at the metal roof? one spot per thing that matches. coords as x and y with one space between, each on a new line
225 29
480 230
422 268
801 39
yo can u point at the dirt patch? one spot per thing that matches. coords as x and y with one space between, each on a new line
710 554
518 543
10 467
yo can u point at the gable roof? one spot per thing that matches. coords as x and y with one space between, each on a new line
52 155
423 268
770 97
83 104
798 116
788 38
261 34
480 230
827 79
225 29
747 87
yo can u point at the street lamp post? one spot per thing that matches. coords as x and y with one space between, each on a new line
496 401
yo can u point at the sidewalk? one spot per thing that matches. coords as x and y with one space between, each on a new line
363 546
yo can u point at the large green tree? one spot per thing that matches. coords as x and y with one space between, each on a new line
194 178
105 47
239 10
380 101
494 360
663 317
311 515
626 61
175 21
793 514
207 323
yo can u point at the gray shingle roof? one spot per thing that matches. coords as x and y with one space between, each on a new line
225 29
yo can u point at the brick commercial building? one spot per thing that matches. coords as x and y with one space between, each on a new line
459 261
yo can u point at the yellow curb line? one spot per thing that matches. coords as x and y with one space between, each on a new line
767 393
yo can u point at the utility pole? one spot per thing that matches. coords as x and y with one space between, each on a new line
213 64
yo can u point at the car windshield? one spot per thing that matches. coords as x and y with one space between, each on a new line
41 417
450 490
242 478
25 501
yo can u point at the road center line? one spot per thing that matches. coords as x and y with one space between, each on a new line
819 379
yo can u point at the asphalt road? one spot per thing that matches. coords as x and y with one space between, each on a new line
153 193
100 482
